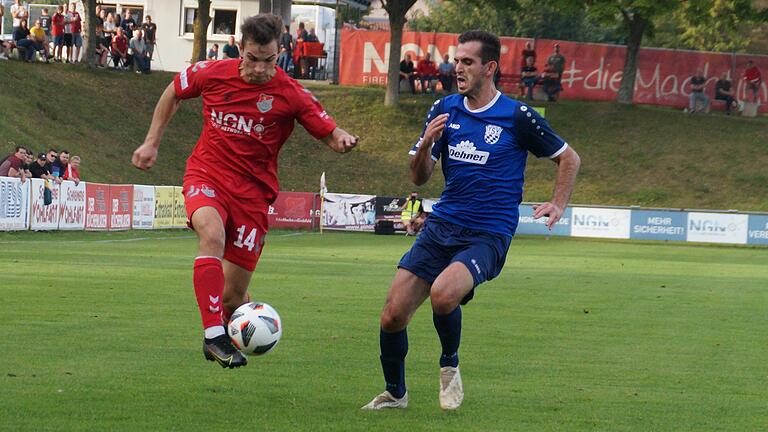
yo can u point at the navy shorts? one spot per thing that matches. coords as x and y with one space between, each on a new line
442 243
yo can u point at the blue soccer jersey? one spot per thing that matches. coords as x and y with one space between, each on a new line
483 154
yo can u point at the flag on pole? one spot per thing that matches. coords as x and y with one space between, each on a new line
323 189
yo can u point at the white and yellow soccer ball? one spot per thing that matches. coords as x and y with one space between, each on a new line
255 328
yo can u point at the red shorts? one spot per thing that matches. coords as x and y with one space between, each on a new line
242 209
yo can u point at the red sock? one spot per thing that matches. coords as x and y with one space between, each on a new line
209 285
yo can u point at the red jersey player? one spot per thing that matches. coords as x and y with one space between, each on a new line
249 108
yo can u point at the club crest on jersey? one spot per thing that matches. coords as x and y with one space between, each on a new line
264 104
492 134
466 151
210 193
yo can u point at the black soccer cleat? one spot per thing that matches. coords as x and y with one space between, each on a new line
221 350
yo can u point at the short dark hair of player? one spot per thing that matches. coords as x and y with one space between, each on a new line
262 28
491 50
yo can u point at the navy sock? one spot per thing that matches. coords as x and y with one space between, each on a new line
449 329
394 348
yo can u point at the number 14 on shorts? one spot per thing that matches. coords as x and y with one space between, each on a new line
249 241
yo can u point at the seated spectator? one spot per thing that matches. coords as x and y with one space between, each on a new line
230 49
41 168
102 46
529 77
447 74
311 36
13 165
550 81
724 92
73 170
213 53
59 165
698 82
39 40
754 79
139 50
23 42
120 49
528 51
407 72
427 74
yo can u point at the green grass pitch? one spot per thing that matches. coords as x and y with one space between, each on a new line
100 332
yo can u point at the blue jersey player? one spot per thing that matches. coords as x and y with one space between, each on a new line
483 139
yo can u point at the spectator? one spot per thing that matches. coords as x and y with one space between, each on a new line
753 78
528 51
213 53
286 49
28 161
24 42
139 50
150 36
59 165
45 23
529 76
725 92
3 47
57 30
551 82
407 72
230 49
447 74
76 28
100 15
558 61
223 29
73 170
40 168
410 212
118 21
427 72
120 49
301 36
109 26
39 40
311 37
102 45
128 24
698 82
19 14
13 165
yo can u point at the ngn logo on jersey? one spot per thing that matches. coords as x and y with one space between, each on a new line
492 133
466 151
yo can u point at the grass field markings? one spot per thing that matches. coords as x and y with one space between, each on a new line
97 241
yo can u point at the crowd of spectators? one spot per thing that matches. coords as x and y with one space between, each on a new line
53 165
724 90
550 77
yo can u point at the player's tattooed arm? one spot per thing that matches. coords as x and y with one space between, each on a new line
145 156
568 164
341 141
422 163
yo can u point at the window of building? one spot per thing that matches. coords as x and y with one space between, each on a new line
224 22
190 14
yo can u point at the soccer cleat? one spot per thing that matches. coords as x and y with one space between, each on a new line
451 389
386 400
221 350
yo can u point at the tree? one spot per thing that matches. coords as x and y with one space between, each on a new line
396 9
91 42
202 20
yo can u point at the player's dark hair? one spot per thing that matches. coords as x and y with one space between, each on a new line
491 49
262 28
52 150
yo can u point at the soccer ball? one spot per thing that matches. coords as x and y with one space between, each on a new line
255 328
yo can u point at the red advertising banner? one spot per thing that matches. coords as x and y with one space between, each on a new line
121 200
98 208
295 210
592 71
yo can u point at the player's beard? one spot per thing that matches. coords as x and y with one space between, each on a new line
252 77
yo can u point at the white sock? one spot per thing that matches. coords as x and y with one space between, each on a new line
212 332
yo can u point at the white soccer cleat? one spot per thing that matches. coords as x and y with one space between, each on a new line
386 400
451 388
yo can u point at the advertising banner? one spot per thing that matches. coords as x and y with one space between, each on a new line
658 225
143 207
758 229
179 212
528 225
717 227
121 198
72 206
592 71
349 212
292 210
163 207
98 207
14 204
43 217
391 208
600 222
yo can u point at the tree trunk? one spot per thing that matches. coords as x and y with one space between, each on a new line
201 30
637 26
396 9
91 42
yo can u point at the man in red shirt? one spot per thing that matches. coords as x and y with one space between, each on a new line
13 165
57 30
249 108
427 72
76 28
120 49
753 78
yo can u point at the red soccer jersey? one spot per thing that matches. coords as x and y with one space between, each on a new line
752 74
57 24
76 22
245 125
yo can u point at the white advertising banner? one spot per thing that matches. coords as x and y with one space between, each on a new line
72 206
718 227
143 207
14 204
349 212
600 222
41 216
